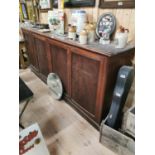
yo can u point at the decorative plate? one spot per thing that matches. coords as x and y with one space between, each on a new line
55 85
106 24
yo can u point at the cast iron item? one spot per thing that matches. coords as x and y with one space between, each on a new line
24 94
24 91
55 85
123 84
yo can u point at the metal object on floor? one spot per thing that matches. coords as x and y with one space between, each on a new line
24 94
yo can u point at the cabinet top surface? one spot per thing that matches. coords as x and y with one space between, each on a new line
96 47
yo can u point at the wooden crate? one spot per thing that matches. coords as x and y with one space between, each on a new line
128 123
116 141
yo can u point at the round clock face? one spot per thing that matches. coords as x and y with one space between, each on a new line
105 25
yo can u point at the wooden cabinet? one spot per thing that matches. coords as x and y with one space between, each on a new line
88 77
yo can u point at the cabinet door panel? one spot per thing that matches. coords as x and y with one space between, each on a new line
59 63
84 81
30 49
40 47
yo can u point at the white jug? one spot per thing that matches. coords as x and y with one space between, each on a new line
121 39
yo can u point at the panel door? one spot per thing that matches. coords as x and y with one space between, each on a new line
42 55
59 62
29 40
86 81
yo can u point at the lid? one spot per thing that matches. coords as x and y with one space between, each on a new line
72 29
83 32
90 27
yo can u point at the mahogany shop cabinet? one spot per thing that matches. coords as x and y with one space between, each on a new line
88 73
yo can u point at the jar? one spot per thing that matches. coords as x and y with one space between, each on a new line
83 37
72 32
121 39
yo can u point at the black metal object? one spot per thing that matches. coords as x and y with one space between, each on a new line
24 91
24 94
123 84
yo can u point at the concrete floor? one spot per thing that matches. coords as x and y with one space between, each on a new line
64 130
